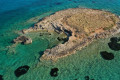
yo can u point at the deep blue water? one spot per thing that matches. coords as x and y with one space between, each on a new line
16 15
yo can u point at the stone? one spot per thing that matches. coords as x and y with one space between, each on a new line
86 77
21 70
107 56
23 40
114 45
54 72
114 39
1 77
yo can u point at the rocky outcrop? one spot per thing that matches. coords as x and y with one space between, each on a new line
80 36
23 39
81 26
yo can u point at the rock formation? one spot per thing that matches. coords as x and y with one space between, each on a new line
54 72
23 39
106 55
81 26
21 70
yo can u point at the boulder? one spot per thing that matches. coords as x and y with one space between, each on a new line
54 72
23 39
1 77
107 56
21 70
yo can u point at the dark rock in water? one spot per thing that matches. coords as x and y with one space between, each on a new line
107 56
41 34
118 39
58 3
114 45
1 77
114 39
54 72
21 70
92 79
86 77
93 2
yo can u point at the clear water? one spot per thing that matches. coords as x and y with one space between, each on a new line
20 14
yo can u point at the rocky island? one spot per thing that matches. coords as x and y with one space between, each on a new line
81 26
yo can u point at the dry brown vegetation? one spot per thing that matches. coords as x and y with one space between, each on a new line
89 22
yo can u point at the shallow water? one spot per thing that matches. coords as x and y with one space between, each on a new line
20 14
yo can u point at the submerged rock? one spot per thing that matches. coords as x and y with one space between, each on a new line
54 72
107 56
114 39
23 39
58 3
1 77
86 77
114 45
21 70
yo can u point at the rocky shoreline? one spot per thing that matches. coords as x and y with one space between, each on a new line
78 36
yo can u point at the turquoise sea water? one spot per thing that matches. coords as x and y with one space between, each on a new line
20 14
